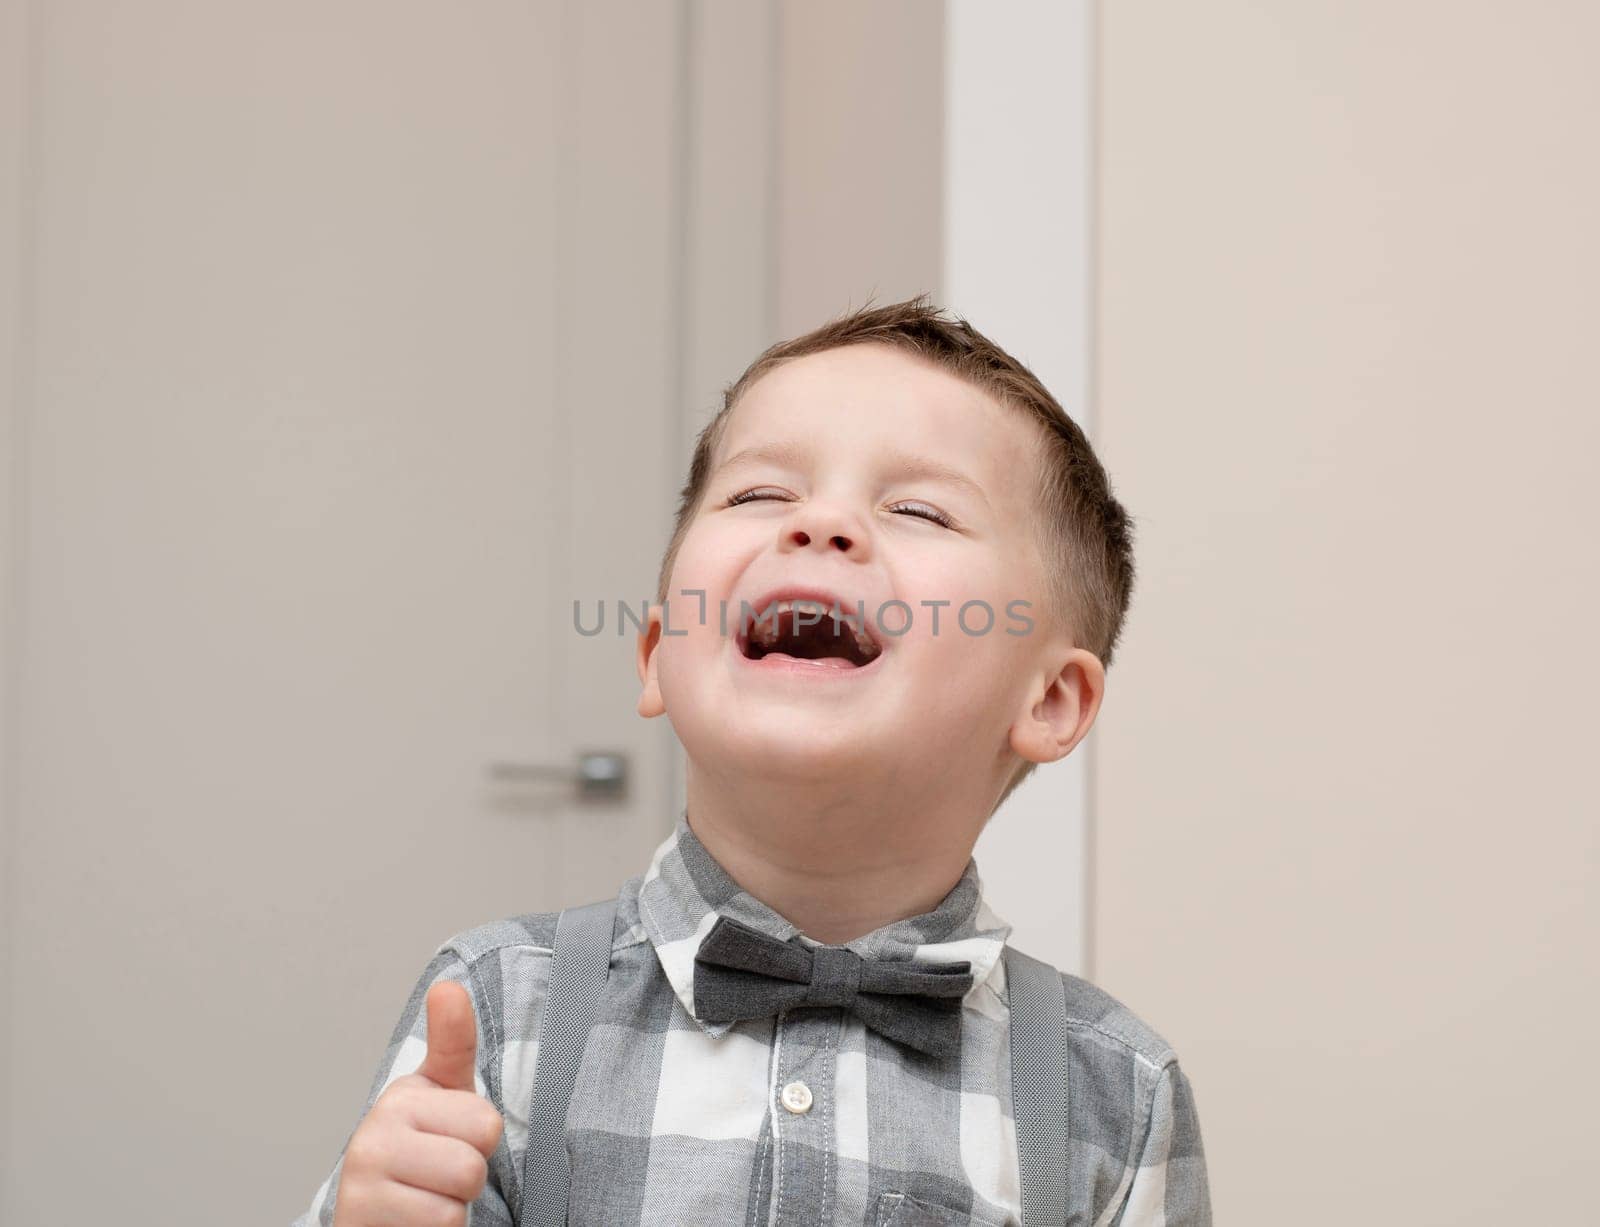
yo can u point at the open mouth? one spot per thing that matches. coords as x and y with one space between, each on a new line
808 630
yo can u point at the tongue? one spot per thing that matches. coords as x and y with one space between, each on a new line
821 662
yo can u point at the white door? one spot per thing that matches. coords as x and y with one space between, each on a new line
345 366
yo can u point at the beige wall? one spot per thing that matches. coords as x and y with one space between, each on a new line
14 269
858 157
1347 311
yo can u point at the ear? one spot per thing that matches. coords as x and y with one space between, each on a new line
1059 707
650 701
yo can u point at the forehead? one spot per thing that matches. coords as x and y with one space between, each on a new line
872 397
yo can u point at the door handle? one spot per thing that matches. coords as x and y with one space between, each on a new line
596 774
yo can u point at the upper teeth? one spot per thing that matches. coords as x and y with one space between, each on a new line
764 628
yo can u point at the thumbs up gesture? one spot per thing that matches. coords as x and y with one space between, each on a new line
421 1155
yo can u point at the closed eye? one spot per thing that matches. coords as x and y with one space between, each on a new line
926 513
750 496
921 511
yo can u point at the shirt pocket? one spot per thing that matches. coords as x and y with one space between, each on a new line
903 1210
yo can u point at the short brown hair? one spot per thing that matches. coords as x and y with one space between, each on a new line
1085 537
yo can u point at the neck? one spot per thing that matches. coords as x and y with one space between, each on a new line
833 862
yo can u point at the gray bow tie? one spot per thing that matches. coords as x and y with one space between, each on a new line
741 972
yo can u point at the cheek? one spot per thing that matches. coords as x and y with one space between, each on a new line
688 571
969 647
682 676
690 650
697 584
969 652
981 591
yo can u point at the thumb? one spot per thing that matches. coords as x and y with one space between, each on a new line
452 1037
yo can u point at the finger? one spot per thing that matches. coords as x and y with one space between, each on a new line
452 1037
457 1114
393 1202
438 1164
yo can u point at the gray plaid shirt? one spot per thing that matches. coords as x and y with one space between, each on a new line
809 1117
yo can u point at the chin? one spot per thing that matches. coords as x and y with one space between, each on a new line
788 751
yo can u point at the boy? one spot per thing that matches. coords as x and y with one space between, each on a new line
851 717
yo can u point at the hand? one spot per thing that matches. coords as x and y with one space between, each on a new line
421 1154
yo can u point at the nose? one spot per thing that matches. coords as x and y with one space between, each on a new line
827 523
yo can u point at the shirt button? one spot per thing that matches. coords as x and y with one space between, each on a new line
796 1097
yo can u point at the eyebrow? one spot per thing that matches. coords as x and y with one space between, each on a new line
902 464
790 454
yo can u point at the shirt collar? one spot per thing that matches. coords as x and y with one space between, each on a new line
685 890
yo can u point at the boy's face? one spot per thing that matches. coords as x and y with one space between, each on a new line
825 452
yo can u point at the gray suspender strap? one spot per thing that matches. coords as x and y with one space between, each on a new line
1039 1086
579 965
